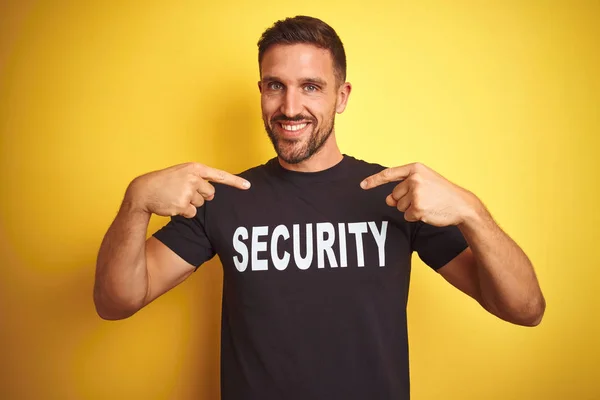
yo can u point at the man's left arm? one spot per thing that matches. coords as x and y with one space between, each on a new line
493 270
496 272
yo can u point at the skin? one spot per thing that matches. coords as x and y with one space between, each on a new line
298 85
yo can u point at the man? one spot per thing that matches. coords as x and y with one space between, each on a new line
315 245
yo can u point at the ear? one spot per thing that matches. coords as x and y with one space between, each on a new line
342 97
259 87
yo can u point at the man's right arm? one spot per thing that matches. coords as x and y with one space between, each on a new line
132 271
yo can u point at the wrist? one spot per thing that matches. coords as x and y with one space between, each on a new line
132 202
474 213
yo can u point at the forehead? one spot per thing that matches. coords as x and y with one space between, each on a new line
297 61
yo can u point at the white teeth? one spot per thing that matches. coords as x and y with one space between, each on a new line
293 127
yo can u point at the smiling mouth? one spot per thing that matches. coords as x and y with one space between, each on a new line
293 127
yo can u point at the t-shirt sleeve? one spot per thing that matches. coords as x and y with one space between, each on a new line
187 238
436 246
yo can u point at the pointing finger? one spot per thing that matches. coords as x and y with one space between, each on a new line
387 175
218 176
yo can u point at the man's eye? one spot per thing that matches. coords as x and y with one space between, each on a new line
275 86
311 88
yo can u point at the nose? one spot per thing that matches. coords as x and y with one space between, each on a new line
292 104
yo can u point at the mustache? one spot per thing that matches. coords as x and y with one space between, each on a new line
296 118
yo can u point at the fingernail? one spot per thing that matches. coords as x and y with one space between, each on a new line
363 184
246 184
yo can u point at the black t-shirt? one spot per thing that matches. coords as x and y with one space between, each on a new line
315 281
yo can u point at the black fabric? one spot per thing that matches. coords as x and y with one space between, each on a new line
326 325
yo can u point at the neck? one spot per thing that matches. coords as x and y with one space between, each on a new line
326 157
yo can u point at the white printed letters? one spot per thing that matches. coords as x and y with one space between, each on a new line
303 257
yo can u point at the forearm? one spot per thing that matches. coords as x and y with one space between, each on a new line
121 283
507 281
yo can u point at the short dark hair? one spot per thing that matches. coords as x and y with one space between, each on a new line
310 30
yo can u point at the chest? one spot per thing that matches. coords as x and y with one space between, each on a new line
275 231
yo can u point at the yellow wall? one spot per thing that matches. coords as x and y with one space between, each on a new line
501 97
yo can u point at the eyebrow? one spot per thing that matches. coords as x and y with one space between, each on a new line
318 81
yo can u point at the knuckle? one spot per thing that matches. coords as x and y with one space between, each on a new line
415 199
418 209
184 200
421 167
181 203
416 178
196 167
194 179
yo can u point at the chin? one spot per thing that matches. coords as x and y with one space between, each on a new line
292 153
294 150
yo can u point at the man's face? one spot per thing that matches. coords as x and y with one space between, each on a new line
299 99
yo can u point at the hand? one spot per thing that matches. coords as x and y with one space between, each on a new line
424 195
179 189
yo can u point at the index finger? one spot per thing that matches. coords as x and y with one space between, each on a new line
219 176
387 175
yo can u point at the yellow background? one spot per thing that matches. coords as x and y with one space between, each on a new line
500 97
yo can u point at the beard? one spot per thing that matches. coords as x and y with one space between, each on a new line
297 150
